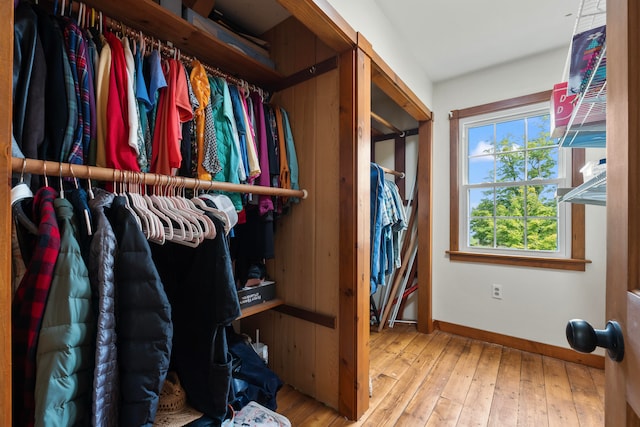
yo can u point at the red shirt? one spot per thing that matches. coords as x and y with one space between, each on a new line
174 108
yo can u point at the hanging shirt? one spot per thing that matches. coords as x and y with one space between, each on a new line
265 203
72 108
173 109
102 95
135 132
77 54
202 90
154 76
252 152
292 158
240 129
144 106
228 152
285 177
119 154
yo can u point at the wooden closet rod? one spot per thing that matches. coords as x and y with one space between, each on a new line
55 169
386 123
392 172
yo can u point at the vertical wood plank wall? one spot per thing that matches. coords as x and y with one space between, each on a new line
306 267
6 85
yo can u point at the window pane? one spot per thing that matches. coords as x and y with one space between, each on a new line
541 201
481 202
510 135
510 201
510 167
510 233
480 140
481 169
542 234
542 163
481 232
538 132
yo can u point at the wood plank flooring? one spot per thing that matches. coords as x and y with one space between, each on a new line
447 380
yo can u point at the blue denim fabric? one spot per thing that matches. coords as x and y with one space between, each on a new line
377 194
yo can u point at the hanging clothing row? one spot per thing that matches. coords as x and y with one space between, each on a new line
388 220
115 102
100 314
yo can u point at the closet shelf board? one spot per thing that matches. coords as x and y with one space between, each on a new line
259 308
155 21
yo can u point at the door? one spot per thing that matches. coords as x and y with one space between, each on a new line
622 396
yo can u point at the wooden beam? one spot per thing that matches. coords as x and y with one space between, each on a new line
400 163
308 73
321 319
324 21
425 225
6 90
354 259
392 85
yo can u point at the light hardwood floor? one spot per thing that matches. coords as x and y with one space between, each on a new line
447 380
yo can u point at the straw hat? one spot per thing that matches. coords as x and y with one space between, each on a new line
173 410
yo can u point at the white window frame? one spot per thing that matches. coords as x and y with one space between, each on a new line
563 180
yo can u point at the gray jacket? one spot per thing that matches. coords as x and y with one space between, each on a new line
106 381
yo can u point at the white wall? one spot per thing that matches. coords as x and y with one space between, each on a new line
387 43
537 303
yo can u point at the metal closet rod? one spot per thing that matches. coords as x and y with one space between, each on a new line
56 169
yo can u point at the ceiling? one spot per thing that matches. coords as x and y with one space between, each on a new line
449 38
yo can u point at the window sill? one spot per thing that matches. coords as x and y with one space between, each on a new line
522 261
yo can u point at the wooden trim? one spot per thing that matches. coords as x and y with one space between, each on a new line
576 262
454 194
321 319
623 184
566 354
354 257
506 104
308 73
577 210
6 90
324 21
392 85
572 264
425 226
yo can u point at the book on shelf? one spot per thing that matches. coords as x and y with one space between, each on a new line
585 49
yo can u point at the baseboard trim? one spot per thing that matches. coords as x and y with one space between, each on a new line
593 360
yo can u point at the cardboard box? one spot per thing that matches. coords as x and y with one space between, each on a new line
257 294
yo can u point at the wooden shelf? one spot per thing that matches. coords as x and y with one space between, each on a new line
155 21
259 308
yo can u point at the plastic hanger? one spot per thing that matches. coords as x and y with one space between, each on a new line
192 226
156 233
176 226
165 225
208 227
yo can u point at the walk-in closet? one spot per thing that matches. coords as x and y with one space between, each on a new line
321 74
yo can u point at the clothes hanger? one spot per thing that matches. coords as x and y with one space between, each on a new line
192 225
199 204
157 234
122 194
20 192
208 227
176 225
130 199
85 212
164 221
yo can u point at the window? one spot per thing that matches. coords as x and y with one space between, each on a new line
505 170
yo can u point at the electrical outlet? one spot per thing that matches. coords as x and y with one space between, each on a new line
496 291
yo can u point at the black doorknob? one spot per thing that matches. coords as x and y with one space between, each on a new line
582 337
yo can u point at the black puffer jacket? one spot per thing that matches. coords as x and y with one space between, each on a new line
200 286
143 321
